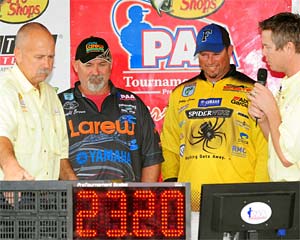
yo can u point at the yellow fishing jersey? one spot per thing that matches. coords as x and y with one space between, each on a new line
209 137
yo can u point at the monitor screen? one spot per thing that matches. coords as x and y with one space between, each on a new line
250 211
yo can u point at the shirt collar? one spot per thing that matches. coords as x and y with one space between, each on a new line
23 82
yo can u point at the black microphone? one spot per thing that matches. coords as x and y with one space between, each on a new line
262 75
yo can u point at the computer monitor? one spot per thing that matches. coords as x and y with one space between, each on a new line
250 211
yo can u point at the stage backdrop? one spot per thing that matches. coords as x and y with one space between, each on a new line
152 41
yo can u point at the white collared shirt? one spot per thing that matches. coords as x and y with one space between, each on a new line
288 100
34 122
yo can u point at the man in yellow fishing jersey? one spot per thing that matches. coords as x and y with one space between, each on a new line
208 135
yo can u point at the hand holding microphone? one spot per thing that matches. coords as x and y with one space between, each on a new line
262 75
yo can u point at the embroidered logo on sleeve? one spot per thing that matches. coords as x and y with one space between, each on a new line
22 103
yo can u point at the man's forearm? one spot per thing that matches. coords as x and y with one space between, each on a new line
7 156
264 126
66 170
151 173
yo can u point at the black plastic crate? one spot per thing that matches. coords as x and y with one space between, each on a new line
34 210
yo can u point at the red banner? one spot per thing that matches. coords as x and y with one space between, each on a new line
153 42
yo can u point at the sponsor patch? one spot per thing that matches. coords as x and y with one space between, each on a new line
181 150
242 124
244 135
236 88
210 102
240 101
123 127
68 96
183 108
128 118
243 138
188 90
209 113
127 97
22 103
70 105
243 115
182 123
127 108
103 155
239 151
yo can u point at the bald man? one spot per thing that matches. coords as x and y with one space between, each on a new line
33 135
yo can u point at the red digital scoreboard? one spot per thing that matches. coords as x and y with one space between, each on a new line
131 211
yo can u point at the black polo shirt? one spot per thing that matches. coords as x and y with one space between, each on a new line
114 143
